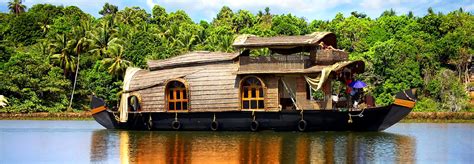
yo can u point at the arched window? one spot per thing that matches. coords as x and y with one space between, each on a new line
176 96
252 93
134 103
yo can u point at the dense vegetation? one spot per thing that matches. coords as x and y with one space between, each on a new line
46 48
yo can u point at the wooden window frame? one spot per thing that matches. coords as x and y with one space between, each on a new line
176 100
249 93
139 99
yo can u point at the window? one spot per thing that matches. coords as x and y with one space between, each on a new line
252 93
134 103
177 96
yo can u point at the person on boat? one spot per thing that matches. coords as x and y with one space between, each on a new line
356 95
326 47
348 80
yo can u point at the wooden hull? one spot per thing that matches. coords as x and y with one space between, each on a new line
371 119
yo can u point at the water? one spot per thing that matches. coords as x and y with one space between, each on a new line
86 141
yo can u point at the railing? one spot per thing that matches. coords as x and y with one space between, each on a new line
330 56
276 62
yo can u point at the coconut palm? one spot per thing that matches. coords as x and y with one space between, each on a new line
16 7
102 38
115 62
61 52
81 44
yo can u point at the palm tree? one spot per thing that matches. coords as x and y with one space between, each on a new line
116 63
102 38
61 52
16 7
80 44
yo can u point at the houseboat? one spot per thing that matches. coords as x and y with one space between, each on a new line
300 83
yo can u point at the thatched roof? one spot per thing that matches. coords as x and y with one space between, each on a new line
197 57
311 40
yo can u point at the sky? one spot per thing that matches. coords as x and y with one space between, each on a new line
309 9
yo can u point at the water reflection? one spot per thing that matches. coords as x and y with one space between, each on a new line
242 147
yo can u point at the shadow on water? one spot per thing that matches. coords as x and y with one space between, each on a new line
247 147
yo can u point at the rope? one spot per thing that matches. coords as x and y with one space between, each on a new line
253 114
175 116
214 119
409 98
301 113
116 117
149 119
355 115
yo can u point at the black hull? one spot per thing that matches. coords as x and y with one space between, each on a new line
371 119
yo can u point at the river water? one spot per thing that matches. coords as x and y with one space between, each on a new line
88 142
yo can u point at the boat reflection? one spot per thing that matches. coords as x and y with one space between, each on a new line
247 147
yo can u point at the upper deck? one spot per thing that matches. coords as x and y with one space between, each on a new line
288 54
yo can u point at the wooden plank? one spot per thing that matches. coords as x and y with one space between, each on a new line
230 91
229 78
214 101
217 88
204 97
215 106
214 110
211 84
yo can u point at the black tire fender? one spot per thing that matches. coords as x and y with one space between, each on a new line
254 125
214 125
302 124
176 125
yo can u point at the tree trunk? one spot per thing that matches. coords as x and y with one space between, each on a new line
74 85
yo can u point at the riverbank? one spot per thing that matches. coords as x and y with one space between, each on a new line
412 117
441 117
47 116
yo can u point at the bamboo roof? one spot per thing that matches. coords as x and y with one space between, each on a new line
311 40
197 57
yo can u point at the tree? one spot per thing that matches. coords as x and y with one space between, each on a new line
16 7
115 62
289 25
358 15
243 19
32 85
159 14
132 16
108 9
102 38
224 17
62 54
81 43
390 12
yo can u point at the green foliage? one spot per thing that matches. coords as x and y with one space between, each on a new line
23 30
108 9
318 95
289 25
16 7
32 84
99 82
426 104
